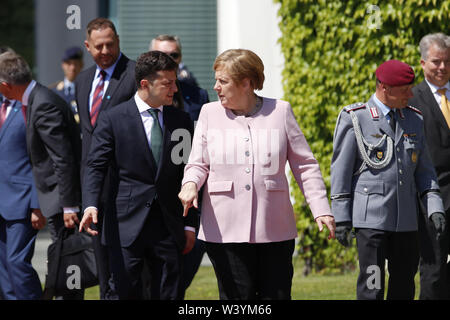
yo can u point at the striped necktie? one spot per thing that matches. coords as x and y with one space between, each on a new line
3 109
445 105
156 138
97 98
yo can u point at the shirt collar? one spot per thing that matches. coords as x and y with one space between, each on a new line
68 83
384 108
142 105
109 71
435 88
27 92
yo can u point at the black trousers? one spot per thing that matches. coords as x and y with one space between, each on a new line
102 259
156 248
250 271
401 249
434 269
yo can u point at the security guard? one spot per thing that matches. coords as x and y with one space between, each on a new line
380 161
72 63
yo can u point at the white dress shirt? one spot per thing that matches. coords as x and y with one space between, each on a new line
436 94
109 73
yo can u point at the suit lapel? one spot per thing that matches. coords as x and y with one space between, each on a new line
114 82
430 102
167 132
12 113
85 91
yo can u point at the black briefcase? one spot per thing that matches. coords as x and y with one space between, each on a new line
70 263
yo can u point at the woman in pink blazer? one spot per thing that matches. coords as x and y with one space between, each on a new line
239 152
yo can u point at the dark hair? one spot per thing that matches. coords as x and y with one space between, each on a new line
100 24
149 63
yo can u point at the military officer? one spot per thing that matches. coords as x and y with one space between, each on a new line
380 161
72 63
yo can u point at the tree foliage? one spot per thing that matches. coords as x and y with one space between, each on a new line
331 51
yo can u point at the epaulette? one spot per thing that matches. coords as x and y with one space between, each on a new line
415 109
355 106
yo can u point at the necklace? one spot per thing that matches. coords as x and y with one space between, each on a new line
255 109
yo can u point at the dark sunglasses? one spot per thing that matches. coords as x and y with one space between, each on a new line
174 55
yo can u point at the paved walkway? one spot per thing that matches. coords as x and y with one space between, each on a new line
39 260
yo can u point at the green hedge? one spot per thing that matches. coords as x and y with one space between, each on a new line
331 51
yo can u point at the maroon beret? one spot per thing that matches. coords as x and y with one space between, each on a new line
395 73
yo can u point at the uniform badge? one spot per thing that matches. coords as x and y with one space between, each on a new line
374 113
379 155
377 135
414 157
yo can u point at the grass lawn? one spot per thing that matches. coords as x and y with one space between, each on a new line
312 287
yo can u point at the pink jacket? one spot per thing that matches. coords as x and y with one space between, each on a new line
246 196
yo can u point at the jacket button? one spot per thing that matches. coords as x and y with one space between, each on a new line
148 205
247 187
247 170
365 190
247 153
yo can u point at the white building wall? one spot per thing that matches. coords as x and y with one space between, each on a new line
253 25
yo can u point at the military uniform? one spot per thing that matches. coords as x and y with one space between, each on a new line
186 76
68 94
376 173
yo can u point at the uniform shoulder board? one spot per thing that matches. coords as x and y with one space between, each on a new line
414 109
355 106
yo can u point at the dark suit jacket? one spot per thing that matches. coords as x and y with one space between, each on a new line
437 136
53 144
122 86
119 140
193 99
17 191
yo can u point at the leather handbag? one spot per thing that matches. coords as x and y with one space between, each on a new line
70 263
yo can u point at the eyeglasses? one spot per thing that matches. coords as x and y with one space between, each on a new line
175 55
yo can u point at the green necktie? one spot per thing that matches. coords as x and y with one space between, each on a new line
156 139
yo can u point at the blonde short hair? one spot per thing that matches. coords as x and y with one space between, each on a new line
241 64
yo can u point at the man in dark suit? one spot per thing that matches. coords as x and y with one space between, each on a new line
72 63
52 143
431 97
136 139
95 94
172 46
18 208
193 98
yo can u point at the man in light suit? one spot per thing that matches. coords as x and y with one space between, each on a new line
94 95
19 208
136 140
52 144
380 161
428 98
